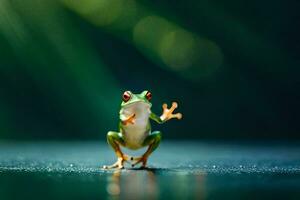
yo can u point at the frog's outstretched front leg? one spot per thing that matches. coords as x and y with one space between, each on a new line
152 141
115 139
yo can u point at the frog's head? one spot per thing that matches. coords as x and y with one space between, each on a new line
129 99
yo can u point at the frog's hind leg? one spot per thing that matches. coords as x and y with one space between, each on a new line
153 141
115 139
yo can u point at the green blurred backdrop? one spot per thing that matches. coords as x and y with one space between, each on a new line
232 65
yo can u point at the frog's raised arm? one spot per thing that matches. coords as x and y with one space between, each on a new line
167 114
156 118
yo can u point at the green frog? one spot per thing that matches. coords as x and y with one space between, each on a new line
135 128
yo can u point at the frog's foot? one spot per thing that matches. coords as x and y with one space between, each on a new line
129 120
126 157
119 164
141 159
168 113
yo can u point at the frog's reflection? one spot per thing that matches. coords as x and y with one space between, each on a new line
132 183
154 183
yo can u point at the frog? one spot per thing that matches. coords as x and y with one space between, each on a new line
135 128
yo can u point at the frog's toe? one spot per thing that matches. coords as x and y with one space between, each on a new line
118 164
177 115
109 166
174 105
136 160
115 165
142 159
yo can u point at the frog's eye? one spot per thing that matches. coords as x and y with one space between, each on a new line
126 96
148 96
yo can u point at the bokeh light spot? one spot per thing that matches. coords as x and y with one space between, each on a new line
178 49
99 12
149 32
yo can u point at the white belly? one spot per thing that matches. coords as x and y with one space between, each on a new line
135 134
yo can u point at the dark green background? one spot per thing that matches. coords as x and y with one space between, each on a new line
62 75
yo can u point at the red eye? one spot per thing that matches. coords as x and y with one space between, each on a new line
149 96
126 96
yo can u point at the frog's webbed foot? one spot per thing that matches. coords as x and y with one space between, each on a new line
142 159
129 120
119 163
168 113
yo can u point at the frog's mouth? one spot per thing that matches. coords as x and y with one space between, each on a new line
140 104
139 108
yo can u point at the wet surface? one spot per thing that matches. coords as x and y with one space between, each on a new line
176 170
